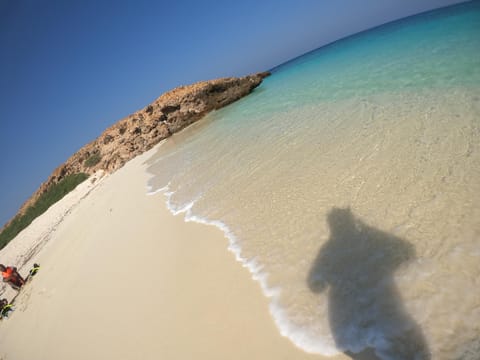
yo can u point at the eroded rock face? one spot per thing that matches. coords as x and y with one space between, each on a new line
145 128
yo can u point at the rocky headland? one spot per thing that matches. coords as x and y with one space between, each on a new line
145 128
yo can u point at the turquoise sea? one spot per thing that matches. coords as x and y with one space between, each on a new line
349 185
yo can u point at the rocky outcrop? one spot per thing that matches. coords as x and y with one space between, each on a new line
143 129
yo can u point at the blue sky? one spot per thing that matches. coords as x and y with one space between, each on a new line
70 69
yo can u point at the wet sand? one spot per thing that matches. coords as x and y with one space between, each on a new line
122 278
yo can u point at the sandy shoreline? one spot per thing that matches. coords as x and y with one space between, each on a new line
122 278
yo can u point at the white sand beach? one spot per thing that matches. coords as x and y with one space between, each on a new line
121 278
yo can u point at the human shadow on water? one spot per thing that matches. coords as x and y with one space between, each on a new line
366 314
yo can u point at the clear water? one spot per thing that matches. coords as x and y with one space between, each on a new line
349 184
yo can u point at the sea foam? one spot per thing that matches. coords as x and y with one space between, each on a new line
297 335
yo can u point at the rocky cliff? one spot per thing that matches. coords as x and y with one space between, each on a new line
143 129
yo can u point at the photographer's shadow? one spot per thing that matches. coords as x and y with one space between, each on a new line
366 314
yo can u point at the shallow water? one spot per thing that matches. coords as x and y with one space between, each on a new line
349 184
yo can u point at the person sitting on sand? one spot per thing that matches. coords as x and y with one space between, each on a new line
33 270
11 276
5 308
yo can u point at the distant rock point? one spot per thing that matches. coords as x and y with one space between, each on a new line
145 128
